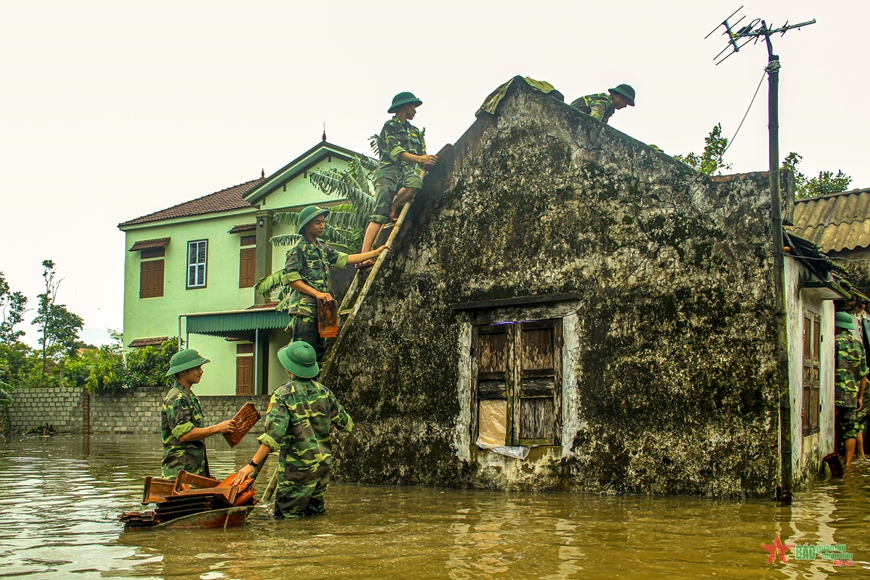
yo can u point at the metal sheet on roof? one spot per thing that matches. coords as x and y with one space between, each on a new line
836 222
236 321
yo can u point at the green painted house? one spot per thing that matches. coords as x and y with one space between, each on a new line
190 271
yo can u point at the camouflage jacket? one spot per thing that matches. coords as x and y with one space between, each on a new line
310 263
181 413
298 421
599 106
399 137
851 368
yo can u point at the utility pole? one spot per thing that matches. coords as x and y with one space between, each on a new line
737 39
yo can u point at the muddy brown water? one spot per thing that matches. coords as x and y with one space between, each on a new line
61 496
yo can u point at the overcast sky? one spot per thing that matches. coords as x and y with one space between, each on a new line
110 110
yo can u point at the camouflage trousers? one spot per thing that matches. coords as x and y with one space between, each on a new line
386 187
301 493
304 327
845 423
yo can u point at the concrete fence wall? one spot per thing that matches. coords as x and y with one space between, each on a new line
131 411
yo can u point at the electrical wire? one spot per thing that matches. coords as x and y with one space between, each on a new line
731 142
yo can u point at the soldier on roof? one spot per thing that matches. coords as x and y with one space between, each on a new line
403 156
603 105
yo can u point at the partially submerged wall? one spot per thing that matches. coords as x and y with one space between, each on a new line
128 411
660 280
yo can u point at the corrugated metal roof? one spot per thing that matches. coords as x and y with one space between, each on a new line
835 222
228 322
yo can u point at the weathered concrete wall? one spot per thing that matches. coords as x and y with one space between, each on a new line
670 384
130 411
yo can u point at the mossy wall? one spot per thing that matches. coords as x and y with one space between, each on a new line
673 366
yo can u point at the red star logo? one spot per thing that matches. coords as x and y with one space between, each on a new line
777 547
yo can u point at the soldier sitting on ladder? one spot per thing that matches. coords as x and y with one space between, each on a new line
307 273
402 152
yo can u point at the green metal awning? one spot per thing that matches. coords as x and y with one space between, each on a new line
227 323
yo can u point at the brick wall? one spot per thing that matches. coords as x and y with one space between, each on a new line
131 411
59 407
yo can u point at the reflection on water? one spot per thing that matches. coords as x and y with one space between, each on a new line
58 519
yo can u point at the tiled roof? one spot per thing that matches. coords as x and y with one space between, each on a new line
156 341
148 244
242 228
835 222
223 200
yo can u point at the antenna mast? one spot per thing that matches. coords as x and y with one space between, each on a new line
737 39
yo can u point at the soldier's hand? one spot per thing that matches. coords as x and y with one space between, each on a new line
242 475
382 249
429 160
227 426
324 297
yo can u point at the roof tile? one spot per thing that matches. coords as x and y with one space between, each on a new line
223 200
834 222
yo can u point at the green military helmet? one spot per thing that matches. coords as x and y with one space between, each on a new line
300 359
626 91
404 98
845 320
308 214
185 359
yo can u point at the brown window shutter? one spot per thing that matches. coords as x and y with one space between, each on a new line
245 376
247 258
151 279
539 399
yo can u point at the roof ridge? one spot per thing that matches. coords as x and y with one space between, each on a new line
830 195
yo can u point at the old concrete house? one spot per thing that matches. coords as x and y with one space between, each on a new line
566 290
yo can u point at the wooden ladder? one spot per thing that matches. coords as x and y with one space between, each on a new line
353 299
355 295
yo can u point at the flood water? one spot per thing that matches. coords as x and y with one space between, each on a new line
61 497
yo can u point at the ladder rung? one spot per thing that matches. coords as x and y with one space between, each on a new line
344 312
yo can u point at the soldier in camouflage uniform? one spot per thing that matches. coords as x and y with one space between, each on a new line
402 148
851 380
299 419
182 420
603 105
306 271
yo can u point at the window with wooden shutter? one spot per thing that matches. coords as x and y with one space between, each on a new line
517 394
151 279
247 260
811 373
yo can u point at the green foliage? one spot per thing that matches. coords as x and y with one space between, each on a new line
146 367
826 182
58 327
12 308
97 368
16 360
709 162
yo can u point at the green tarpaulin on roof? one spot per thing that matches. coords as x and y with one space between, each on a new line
220 323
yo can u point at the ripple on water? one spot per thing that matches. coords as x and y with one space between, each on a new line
62 523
